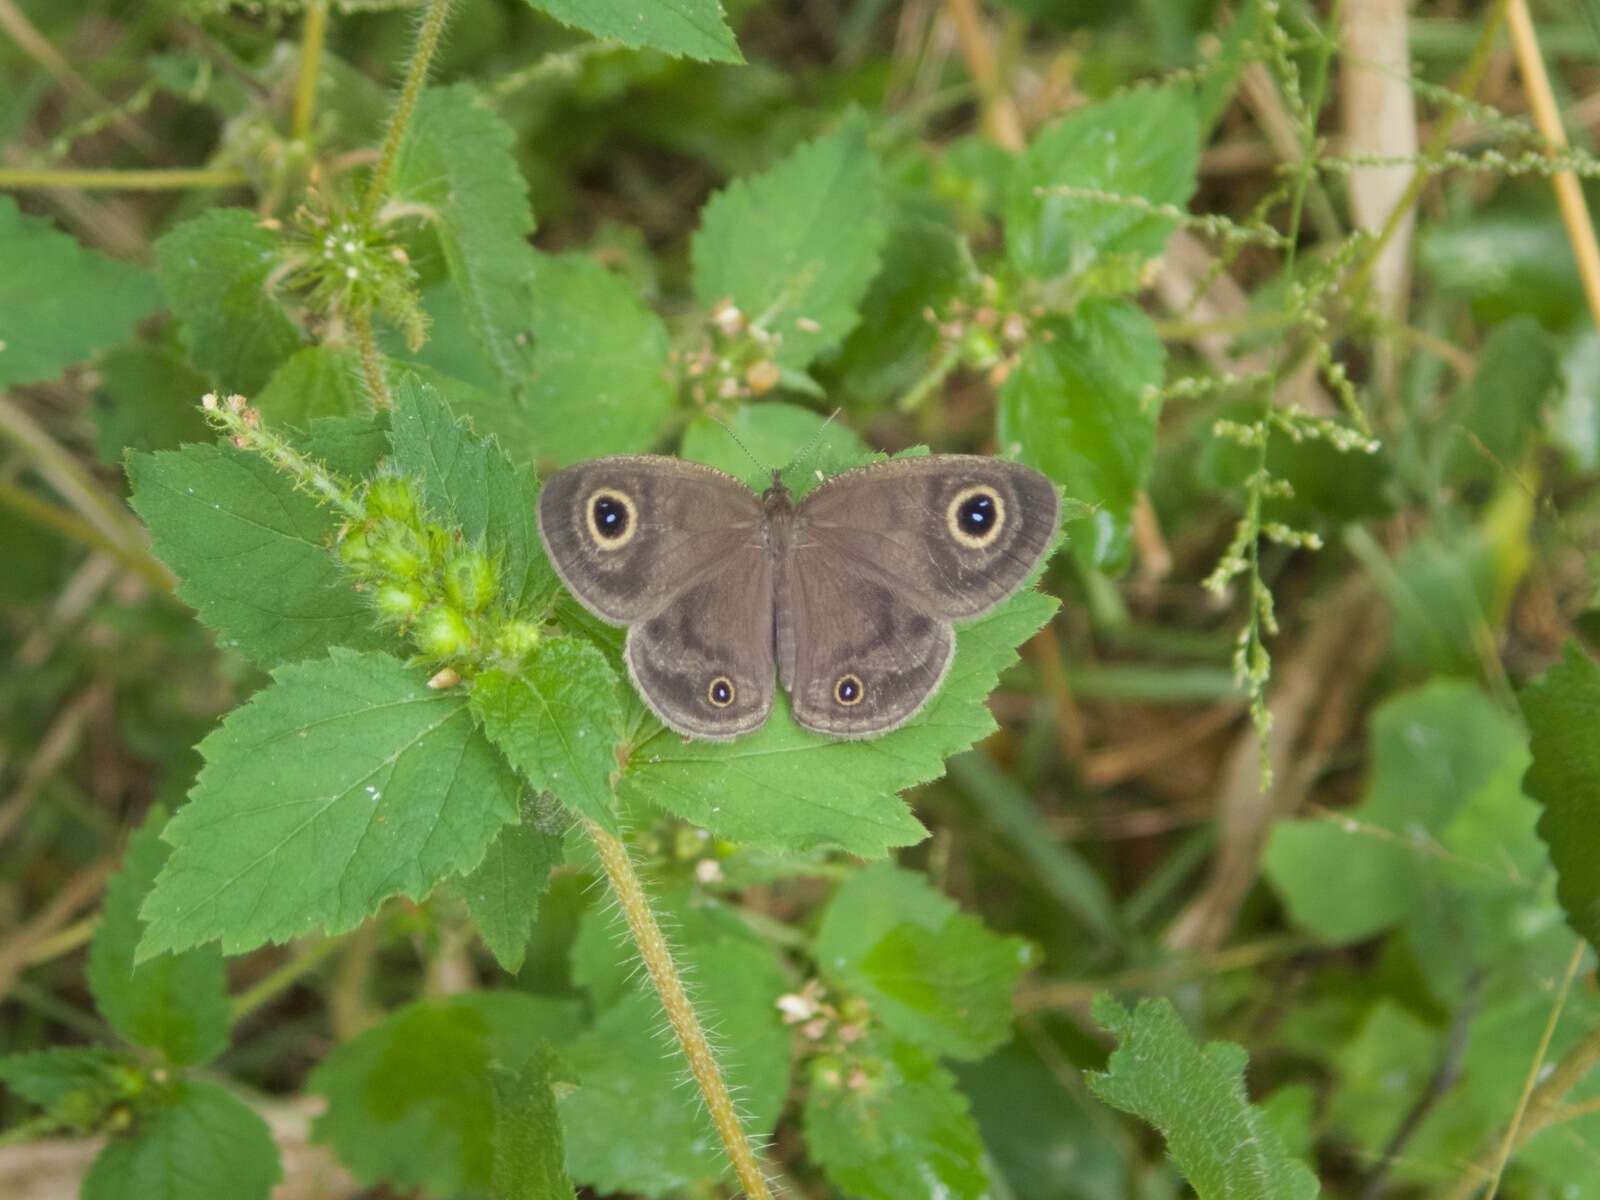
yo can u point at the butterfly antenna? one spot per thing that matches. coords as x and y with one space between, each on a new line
728 429
816 437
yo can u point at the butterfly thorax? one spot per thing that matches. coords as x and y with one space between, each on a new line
781 519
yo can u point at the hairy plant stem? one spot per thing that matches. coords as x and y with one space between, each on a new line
371 360
657 956
153 180
313 35
416 75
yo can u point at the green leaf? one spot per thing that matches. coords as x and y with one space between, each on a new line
795 248
932 974
528 1152
60 302
1079 409
1443 841
897 1131
504 890
685 28
790 790
350 446
198 1143
213 271
1562 709
598 380
1492 418
769 437
175 1003
317 381
1143 144
413 1103
456 164
75 1086
1195 1097
558 720
925 265
630 1073
251 553
470 483
345 782
148 399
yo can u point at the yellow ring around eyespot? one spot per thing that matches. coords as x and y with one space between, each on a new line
602 542
861 690
953 517
711 692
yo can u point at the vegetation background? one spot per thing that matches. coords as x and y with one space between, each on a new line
1275 869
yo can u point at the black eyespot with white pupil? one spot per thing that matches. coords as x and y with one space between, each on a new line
720 692
849 690
611 516
976 515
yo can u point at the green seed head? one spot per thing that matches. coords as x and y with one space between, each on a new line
443 633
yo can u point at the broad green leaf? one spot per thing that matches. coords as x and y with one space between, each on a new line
598 376
795 248
1144 145
925 266
60 302
76 1086
456 164
528 1153
1442 595
1575 423
1065 1128
318 381
1079 408
932 974
769 438
1505 259
1443 843
198 1142
174 1003
1195 1097
412 1102
557 719
630 1073
351 447
1562 709
504 890
251 553
790 790
213 271
1491 419
890 1125
685 28
469 483
345 782
148 399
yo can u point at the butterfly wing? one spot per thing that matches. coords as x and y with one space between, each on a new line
674 550
953 534
883 559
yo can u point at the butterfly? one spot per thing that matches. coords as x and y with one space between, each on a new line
846 598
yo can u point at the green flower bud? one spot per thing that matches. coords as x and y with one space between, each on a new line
355 550
390 496
396 555
443 633
516 639
469 581
400 601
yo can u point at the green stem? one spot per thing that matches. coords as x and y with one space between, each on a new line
657 956
416 75
75 485
154 180
53 516
313 35
285 977
371 360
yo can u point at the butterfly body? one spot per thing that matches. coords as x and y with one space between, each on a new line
845 597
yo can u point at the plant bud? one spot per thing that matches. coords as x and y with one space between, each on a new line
470 582
390 496
396 557
443 633
400 601
355 550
